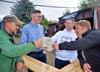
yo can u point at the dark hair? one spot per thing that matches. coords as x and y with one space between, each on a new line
35 11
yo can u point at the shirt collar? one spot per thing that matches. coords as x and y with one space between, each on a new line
84 34
67 30
10 35
32 24
7 33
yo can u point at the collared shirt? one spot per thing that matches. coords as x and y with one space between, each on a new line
32 32
12 39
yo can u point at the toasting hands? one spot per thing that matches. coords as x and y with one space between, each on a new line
38 43
56 46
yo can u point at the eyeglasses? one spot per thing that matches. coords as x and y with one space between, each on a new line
67 23
38 16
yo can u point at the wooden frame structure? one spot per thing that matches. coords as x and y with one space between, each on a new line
37 66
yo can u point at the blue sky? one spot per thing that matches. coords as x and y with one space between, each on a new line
50 13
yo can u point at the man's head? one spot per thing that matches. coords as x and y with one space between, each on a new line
11 24
36 16
69 24
81 27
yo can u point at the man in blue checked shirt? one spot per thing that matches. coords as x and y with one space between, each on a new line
34 31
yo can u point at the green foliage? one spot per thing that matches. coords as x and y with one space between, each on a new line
94 2
22 9
88 3
83 4
66 12
45 22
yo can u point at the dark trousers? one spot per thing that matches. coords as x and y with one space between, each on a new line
60 63
39 56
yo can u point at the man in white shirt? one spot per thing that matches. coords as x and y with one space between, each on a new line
64 57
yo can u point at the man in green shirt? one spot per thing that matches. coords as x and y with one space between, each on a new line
10 52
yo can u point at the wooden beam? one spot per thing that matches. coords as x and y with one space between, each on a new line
73 67
38 66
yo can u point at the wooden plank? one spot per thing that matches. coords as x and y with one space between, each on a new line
38 66
73 67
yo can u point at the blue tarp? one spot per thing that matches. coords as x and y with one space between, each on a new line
70 15
0 25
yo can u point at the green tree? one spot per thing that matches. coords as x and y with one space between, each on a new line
45 22
66 12
94 2
88 3
22 9
84 4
